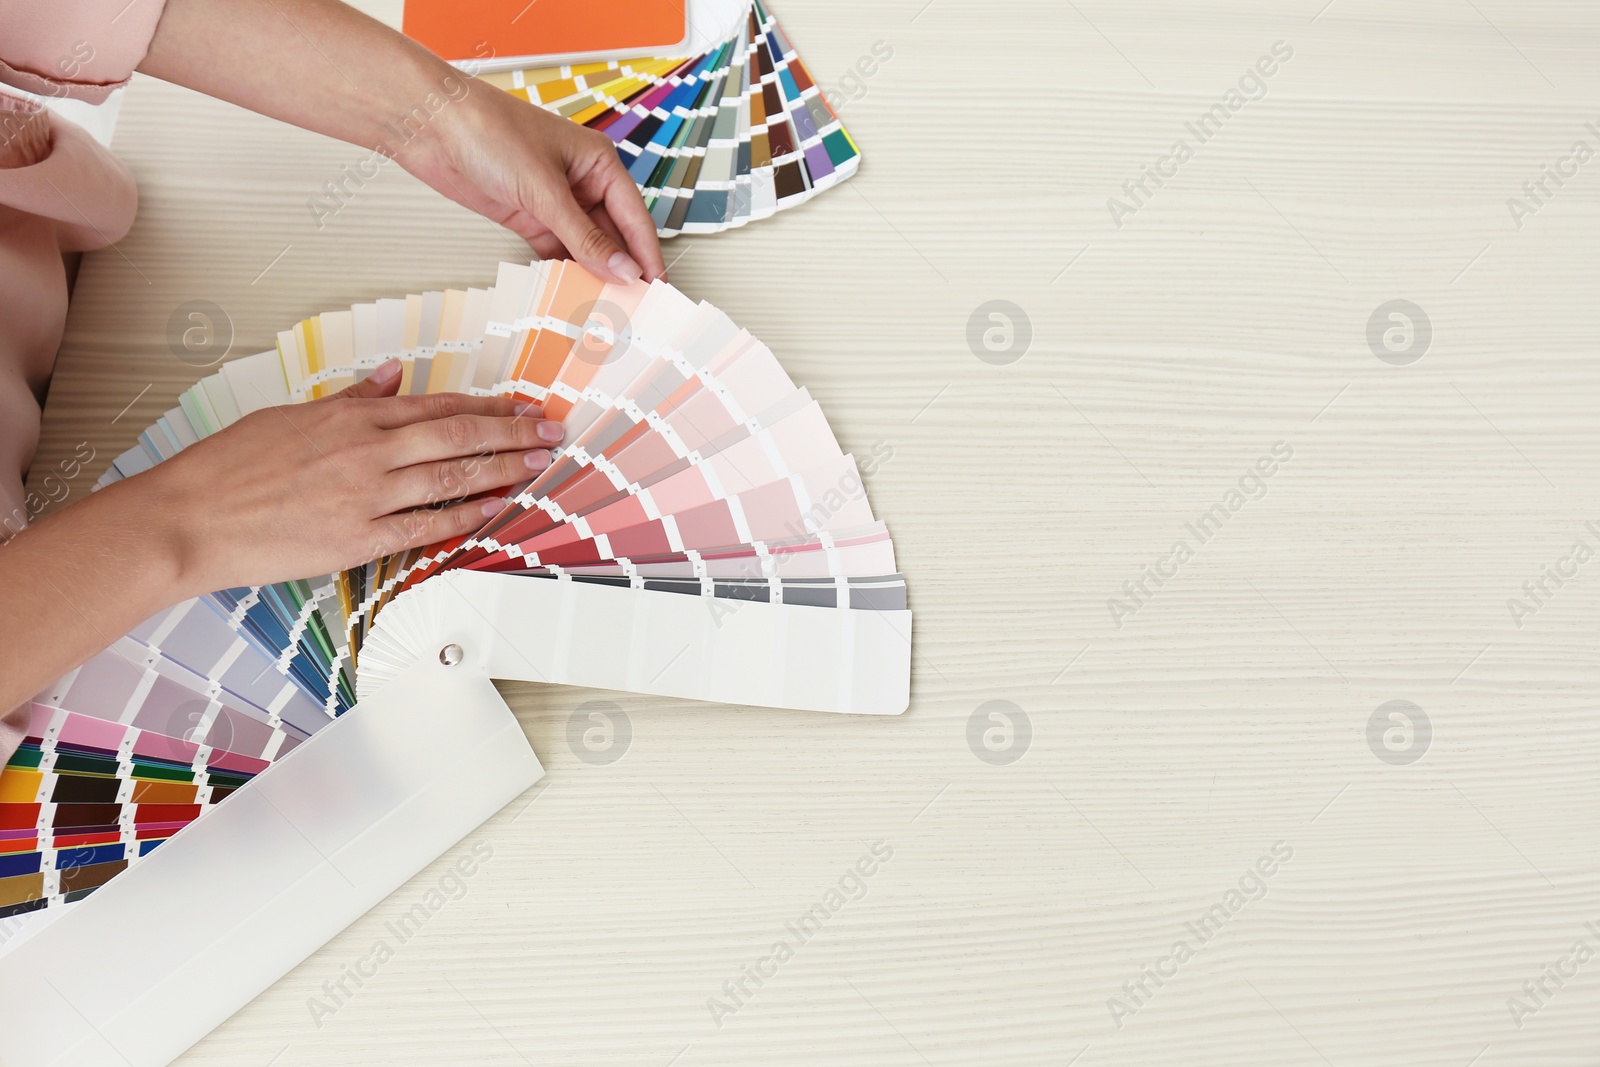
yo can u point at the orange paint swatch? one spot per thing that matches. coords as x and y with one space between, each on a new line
479 29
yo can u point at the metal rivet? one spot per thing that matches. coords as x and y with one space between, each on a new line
450 655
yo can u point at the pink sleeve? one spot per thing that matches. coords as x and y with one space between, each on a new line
77 48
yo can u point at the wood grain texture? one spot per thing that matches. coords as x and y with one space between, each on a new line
1230 712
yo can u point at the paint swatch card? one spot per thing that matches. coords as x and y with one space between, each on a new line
128 749
476 29
713 140
699 533
177 941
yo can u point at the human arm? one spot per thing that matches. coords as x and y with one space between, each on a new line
284 493
324 66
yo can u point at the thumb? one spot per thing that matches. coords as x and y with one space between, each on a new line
588 243
383 381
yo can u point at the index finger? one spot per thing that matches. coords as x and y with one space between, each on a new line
625 205
394 411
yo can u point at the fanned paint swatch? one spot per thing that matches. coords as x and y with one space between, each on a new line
737 133
699 533
129 748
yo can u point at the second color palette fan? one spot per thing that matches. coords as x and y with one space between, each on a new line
715 140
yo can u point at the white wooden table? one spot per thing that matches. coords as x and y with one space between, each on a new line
1433 871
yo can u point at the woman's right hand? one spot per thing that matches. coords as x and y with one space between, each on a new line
308 489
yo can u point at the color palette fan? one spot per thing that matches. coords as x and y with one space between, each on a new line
131 747
737 133
699 534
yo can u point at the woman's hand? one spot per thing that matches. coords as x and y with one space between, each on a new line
307 489
557 185
289 492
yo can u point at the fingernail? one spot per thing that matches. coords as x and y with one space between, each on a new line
528 409
387 371
537 460
493 506
550 431
621 265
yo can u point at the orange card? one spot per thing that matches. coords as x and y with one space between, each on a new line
486 29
